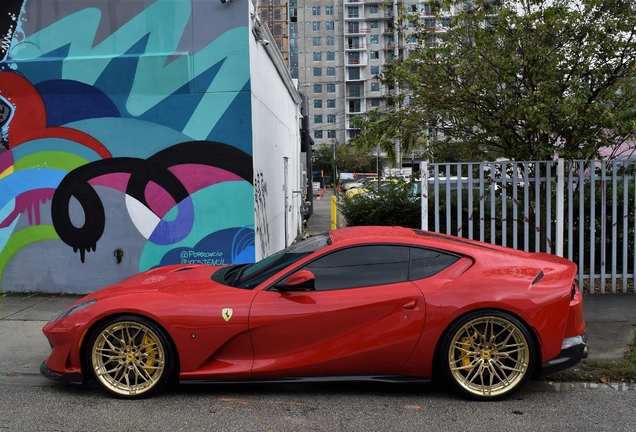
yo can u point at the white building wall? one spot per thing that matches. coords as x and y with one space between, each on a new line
276 145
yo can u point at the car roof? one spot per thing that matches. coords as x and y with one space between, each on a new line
430 238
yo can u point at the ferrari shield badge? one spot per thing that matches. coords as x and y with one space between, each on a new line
227 313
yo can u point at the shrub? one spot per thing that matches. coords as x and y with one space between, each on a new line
394 204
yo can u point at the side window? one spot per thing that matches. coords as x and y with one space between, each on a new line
361 266
427 262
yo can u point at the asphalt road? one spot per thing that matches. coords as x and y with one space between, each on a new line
32 405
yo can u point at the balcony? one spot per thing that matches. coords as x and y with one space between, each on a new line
356 62
356 47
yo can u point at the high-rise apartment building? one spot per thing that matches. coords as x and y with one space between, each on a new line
337 50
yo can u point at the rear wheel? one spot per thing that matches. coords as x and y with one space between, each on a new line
487 355
130 357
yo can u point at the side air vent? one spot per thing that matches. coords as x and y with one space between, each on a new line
183 269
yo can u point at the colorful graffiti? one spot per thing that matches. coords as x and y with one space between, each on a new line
126 141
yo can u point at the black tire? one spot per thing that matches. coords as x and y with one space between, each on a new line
487 355
130 357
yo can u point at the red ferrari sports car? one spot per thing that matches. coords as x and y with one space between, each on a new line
383 303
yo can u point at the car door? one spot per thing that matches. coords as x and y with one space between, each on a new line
362 317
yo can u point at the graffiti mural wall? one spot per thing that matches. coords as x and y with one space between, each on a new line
126 140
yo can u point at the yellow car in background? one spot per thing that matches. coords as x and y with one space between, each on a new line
371 186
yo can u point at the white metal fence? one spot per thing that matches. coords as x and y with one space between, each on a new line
583 210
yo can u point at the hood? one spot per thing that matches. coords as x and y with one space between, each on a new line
175 279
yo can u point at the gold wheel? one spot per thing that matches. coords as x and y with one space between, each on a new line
489 356
129 357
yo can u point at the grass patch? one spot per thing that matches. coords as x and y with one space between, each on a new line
602 371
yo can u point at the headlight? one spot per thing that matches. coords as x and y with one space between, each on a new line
74 309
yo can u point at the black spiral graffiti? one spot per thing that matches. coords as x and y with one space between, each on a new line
154 169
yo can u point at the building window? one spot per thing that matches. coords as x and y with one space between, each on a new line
331 88
317 41
317 88
374 24
375 70
329 25
331 118
331 103
353 12
354 73
331 71
375 102
374 39
331 55
315 26
331 133
278 30
373 9
318 118
328 10
315 10
429 22
293 30
318 133
317 103
278 14
375 55
317 55
375 86
330 40
317 71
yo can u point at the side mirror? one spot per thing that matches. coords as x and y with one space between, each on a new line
302 280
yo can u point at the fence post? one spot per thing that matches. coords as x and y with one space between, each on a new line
424 189
560 188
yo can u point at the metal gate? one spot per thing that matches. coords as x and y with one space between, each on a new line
583 210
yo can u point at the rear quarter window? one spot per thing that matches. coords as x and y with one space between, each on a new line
428 262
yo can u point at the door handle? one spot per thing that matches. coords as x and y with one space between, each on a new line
410 305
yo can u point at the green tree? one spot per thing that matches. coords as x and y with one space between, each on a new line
347 159
522 79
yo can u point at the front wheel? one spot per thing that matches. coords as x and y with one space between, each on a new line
130 357
487 355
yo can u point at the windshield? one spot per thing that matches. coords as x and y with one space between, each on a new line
249 276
